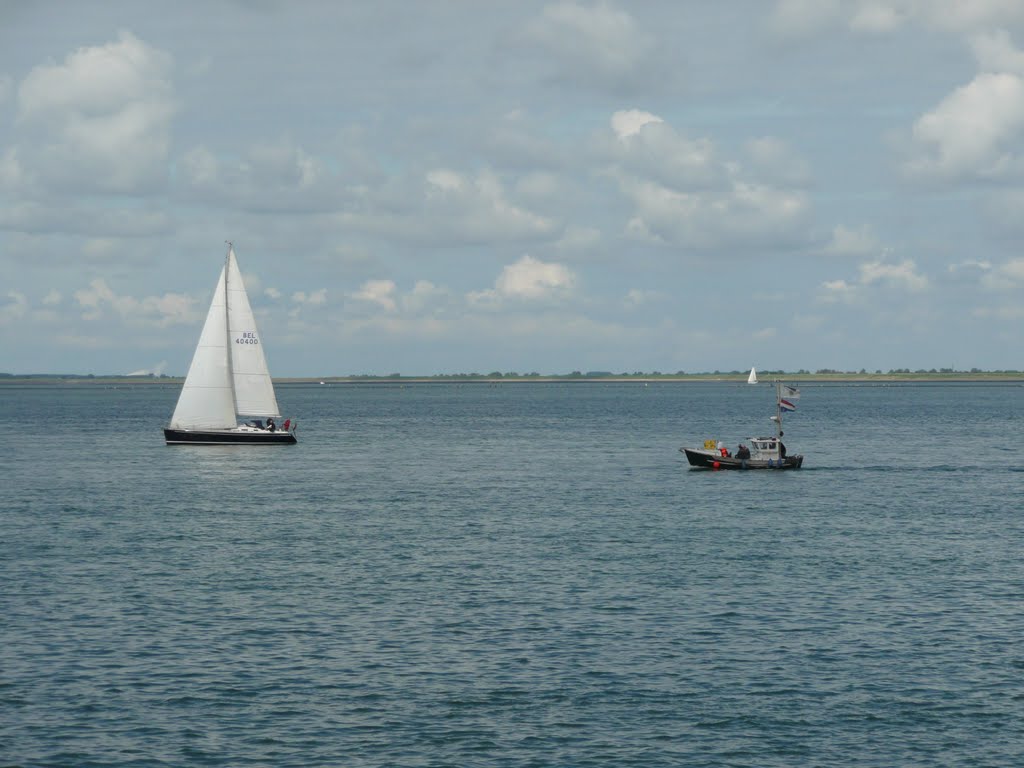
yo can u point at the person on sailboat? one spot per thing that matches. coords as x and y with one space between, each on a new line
271 426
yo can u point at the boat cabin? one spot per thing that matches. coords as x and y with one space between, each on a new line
764 448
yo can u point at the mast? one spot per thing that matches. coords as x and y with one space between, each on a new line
227 327
778 409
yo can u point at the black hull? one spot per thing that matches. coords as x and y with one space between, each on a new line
702 460
190 437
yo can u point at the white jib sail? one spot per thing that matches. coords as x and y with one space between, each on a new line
206 401
752 378
254 391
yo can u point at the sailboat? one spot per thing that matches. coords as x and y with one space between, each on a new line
752 378
228 377
763 452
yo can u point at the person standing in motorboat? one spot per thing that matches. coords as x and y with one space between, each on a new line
743 453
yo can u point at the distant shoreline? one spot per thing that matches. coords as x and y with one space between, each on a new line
958 377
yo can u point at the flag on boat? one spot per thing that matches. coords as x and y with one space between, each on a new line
786 405
790 393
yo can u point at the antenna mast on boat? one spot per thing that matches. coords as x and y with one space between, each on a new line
778 409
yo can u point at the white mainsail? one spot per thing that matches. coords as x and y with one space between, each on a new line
228 375
207 398
254 391
752 378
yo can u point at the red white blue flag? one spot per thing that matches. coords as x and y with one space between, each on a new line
786 405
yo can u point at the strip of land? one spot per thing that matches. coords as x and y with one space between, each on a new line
598 377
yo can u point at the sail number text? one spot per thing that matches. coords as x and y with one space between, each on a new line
247 337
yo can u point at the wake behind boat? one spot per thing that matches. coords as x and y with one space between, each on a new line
228 377
762 453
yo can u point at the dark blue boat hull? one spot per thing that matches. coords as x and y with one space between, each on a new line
227 437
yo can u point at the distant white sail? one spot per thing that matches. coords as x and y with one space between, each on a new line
207 400
752 378
254 390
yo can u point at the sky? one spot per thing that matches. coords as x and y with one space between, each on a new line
463 186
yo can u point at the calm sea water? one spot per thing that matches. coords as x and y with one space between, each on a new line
521 575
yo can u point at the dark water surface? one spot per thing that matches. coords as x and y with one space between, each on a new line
523 575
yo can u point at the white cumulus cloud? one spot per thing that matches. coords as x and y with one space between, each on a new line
628 122
162 311
904 274
530 278
101 119
379 292
973 132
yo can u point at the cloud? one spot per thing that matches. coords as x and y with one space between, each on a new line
100 120
13 307
577 241
452 207
442 206
52 298
313 298
1014 269
628 122
528 279
638 297
84 218
302 300
836 291
969 272
873 274
647 147
597 46
262 177
379 292
741 212
903 274
876 16
532 279
1004 313
423 296
12 174
966 16
851 242
161 311
974 132
1008 276
801 19
684 195
995 52
773 159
